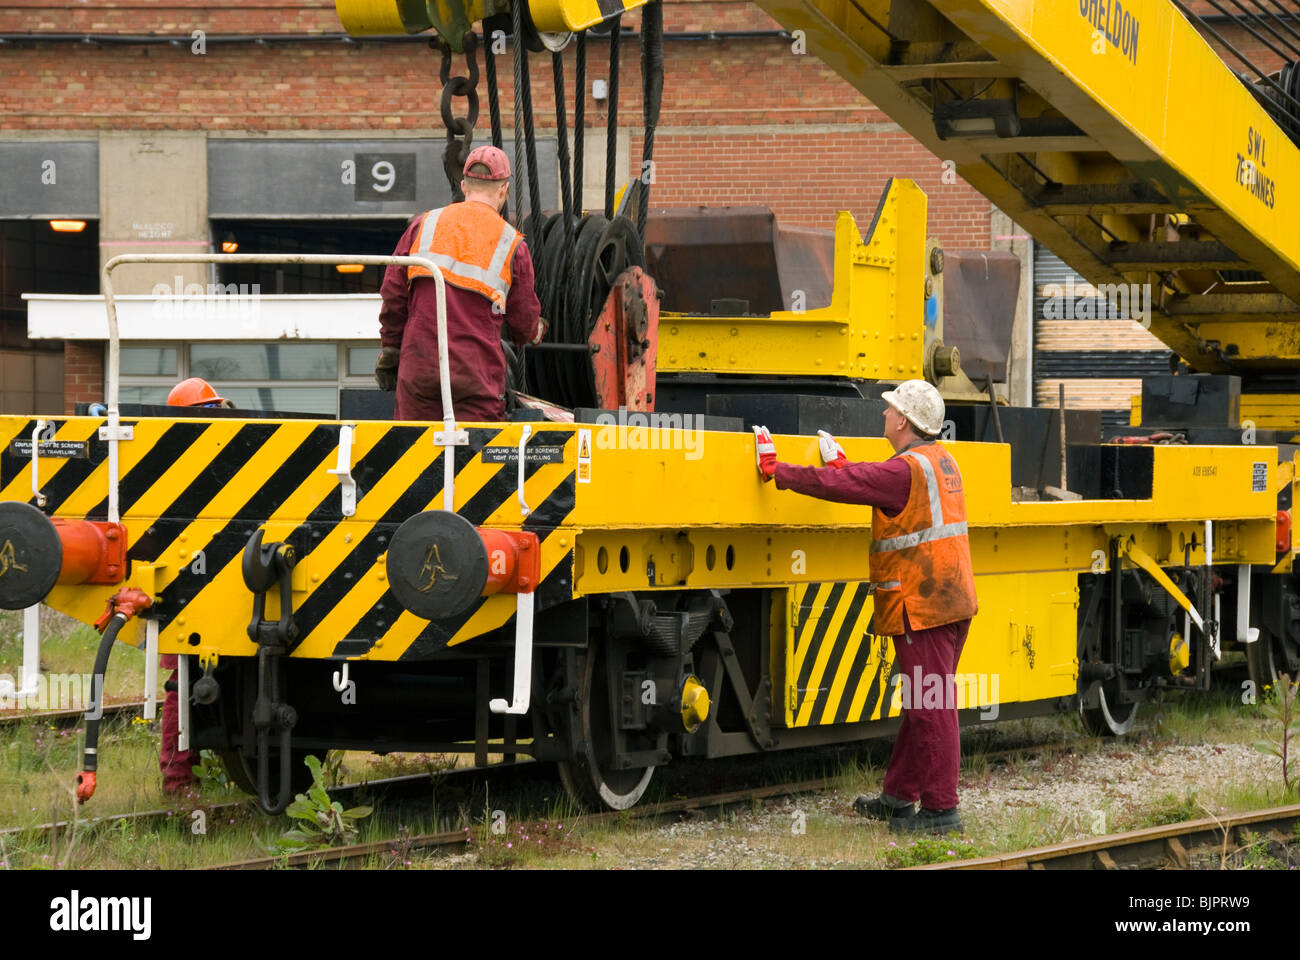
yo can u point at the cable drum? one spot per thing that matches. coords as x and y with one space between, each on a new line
572 289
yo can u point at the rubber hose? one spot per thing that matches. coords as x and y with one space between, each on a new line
90 754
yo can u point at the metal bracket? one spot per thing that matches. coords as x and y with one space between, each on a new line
1245 632
121 433
452 438
36 487
524 509
523 658
150 668
31 671
1128 548
182 703
343 470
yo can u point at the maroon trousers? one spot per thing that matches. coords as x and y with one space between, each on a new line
927 754
177 766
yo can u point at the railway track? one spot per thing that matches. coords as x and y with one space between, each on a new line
454 840
1179 846
362 852
69 718
413 786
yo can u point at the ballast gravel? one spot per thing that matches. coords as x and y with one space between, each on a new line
1073 795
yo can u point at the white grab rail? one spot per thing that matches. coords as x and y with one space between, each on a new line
113 432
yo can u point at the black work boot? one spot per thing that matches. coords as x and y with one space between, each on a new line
930 821
884 807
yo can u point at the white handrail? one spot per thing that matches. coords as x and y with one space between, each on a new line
113 431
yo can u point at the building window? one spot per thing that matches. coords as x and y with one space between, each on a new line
301 377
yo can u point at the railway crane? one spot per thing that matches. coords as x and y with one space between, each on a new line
600 581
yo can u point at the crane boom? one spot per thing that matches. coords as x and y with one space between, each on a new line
1114 134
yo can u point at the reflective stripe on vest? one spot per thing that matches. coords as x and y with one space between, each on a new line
491 277
937 530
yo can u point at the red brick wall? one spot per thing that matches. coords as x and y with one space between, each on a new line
830 155
83 373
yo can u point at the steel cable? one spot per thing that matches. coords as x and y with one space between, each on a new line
524 97
579 118
652 81
611 124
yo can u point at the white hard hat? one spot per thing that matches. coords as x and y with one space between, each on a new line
920 403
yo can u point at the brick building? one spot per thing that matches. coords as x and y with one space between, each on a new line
169 126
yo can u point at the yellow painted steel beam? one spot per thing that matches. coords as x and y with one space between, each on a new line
451 18
1125 112
874 327
655 508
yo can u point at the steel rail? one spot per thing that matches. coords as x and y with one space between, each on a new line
1169 843
361 851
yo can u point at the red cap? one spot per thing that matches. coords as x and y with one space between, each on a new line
494 158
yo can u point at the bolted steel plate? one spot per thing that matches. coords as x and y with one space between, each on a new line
31 555
437 565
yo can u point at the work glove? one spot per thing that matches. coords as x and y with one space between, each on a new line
386 368
765 453
832 452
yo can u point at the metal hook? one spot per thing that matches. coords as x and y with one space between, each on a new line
341 679
36 439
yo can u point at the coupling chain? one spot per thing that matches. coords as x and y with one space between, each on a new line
460 129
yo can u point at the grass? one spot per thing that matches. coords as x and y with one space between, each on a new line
38 765
68 647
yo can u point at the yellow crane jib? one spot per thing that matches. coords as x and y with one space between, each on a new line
452 18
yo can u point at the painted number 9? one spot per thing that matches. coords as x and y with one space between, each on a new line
385 175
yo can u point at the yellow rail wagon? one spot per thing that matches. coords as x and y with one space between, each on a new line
601 581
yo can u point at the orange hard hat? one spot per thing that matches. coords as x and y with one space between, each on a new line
194 392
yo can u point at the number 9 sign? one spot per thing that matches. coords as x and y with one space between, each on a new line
384 177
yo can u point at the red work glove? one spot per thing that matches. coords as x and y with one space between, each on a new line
832 452
766 453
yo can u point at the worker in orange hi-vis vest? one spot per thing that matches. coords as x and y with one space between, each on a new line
178 765
923 587
489 278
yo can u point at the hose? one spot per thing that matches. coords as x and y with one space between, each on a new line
95 710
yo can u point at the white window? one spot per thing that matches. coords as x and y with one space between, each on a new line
299 377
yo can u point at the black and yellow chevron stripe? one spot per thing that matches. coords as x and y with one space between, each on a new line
837 670
192 492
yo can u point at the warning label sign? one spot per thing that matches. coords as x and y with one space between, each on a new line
532 454
1259 478
55 449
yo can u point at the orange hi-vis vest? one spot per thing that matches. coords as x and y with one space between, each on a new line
921 557
473 246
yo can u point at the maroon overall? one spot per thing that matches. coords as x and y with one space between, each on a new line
927 753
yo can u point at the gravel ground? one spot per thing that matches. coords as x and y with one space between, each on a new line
1068 795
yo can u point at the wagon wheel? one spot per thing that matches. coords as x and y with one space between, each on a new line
591 781
243 772
1102 720
1269 657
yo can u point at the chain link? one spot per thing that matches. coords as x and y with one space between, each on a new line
460 129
